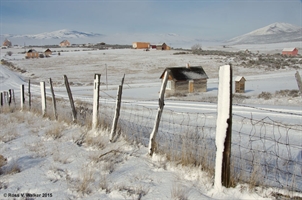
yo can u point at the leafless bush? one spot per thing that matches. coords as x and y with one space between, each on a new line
3 161
265 95
11 168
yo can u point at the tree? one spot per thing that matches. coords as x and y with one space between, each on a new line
196 48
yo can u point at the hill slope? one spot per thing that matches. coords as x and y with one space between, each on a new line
273 33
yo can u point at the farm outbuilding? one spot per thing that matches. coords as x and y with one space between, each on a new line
32 54
7 43
162 46
183 80
240 84
141 45
65 43
47 52
290 51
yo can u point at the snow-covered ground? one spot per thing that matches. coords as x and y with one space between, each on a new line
97 169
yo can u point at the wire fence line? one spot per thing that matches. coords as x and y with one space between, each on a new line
265 151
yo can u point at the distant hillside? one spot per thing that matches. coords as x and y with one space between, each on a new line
60 34
273 33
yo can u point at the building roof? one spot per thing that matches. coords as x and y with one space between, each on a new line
239 78
186 73
31 50
289 49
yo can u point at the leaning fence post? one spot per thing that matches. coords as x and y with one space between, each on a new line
224 128
53 100
74 112
22 96
96 96
117 110
43 98
161 103
299 82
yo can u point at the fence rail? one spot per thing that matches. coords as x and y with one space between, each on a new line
265 151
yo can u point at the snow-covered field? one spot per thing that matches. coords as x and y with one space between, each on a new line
100 170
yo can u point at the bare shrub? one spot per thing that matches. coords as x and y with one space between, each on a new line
12 168
3 161
265 95
9 53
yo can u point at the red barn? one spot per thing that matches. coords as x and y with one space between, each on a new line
290 51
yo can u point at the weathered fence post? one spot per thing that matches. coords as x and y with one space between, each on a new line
22 96
117 109
96 97
9 97
1 99
74 112
53 100
43 98
299 82
224 128
152 143
29 95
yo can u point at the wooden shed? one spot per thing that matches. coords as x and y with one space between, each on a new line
32 54
141 45
290 51
47 52
65 43
240 84
183 80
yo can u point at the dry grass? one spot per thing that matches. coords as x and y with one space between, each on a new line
134 191
56 131
179 192
84 183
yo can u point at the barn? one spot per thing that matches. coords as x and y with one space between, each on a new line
161 46
183 80
290 51
65 43
141 45
32 54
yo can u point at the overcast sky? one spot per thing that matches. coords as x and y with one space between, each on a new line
207 19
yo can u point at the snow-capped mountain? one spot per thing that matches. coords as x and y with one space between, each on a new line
273 33
60 34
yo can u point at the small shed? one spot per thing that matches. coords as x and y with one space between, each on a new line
65 43
183 80
290 51
47 52
32 54
240 84
141 45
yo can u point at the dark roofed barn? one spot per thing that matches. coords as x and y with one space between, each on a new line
183 80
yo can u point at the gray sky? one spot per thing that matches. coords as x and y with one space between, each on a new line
207 19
